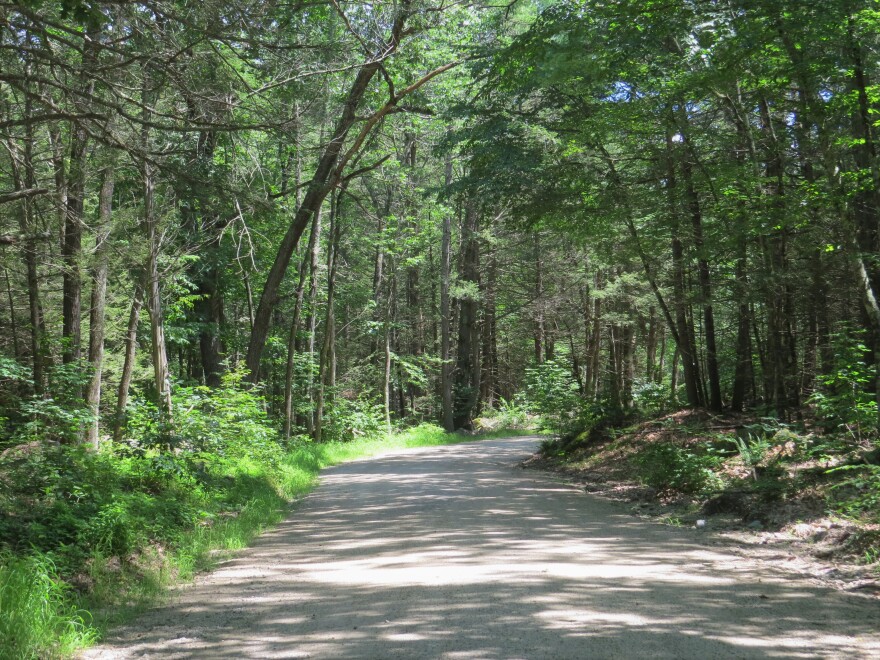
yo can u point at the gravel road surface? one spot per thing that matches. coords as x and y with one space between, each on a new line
456 552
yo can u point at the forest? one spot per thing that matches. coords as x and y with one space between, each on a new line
237 235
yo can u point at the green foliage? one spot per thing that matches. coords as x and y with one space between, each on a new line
513 414
226 422
551 392
37 617
651 397
845 401
752 449
668 467
347 419
58 415
858 494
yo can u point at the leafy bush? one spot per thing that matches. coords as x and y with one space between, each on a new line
73 502
651 397
551 392
57 415
752 449
845 401
669 467
511 414
226 422
347 419
858 494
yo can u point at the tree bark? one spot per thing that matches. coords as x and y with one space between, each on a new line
594 375
693 202
540 330
445 314
13 324
781 347
24 178
325 366
98 303
128 362
866 202
683 331
489 378
743 376
293 341
319 187
466 390
153 294
71 247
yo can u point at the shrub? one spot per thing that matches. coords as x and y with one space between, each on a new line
511 414
551 392
858 494
669 467
651 397
347 419
845 400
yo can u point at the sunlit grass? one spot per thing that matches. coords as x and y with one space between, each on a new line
40 617
37 617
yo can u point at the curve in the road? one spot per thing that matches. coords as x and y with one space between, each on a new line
454 552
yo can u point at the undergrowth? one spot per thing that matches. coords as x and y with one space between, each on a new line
39 617
90 538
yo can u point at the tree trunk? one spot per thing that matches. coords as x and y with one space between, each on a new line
98 304
205 224
386 378
13 324
743 375
684 331
128 362
594 373
319 187
161 374
445 314
488 381
312 319
71 247
292 344
540 330
673 378
24 179
651 345
866 202
465 394
328 347
627 371
780 344
712 372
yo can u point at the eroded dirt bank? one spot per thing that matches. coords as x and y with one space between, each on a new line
456 552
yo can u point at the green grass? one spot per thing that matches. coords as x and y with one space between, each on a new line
40 616
38 619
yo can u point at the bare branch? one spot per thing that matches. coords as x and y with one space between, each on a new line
19 194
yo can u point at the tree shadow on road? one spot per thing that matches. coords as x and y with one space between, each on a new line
451 553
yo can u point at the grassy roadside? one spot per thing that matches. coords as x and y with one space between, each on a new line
50 605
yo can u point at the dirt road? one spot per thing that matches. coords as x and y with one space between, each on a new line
455 552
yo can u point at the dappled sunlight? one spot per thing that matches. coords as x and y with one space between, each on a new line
456 553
